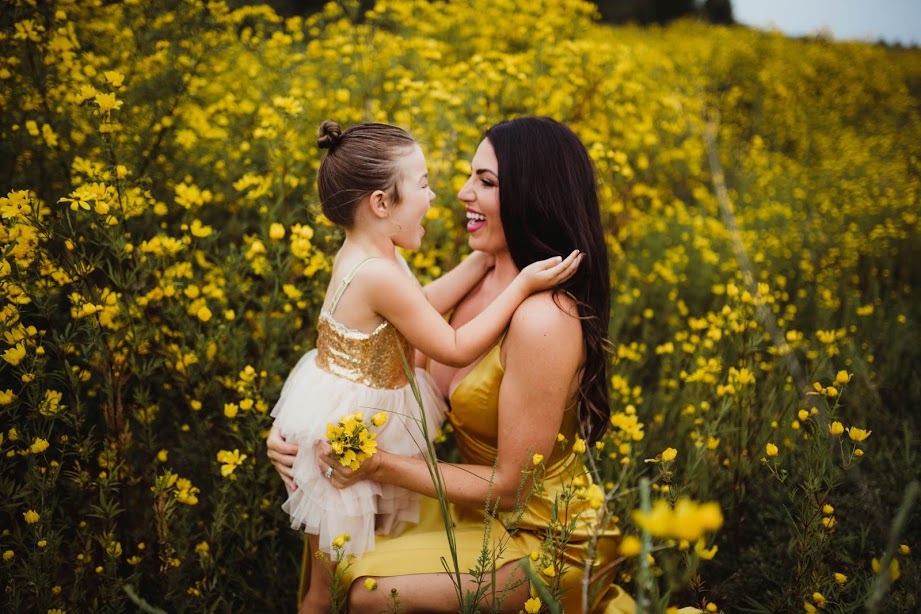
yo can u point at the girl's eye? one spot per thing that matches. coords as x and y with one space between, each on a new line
487 183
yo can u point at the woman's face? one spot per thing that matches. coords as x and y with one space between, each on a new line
481 196
415 199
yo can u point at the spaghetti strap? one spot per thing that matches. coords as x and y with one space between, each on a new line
344 284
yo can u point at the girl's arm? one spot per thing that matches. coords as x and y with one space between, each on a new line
392 294
446 291
543 350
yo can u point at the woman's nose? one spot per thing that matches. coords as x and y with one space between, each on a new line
465 194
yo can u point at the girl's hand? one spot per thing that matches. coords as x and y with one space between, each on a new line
486 261
282 454
546 274
343 477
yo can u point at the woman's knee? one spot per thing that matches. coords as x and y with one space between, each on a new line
361 599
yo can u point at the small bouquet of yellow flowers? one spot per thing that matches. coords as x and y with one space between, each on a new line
351 440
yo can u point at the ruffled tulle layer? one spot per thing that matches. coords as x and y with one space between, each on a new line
312 398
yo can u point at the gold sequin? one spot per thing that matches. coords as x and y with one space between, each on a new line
372 359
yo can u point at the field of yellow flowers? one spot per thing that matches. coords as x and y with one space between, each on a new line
162 263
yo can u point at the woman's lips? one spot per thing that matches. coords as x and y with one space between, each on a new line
475 220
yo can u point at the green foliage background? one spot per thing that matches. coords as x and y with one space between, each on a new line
150 317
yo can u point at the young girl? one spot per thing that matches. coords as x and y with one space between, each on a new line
374 184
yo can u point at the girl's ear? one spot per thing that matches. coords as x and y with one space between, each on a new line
380 204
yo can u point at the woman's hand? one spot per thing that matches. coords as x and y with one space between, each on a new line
343 477
282 454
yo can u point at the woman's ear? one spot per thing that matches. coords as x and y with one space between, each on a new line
380 204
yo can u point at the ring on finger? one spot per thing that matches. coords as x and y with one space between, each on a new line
329 473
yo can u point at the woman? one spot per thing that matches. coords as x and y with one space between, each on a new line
546 377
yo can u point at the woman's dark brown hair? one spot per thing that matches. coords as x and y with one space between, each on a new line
549 206
361 160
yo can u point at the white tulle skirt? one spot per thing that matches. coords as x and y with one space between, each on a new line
312 398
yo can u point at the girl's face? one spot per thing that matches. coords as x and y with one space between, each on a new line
415 200
481 196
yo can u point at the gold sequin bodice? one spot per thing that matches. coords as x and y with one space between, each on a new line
372 359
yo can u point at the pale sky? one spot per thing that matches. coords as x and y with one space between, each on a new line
890 20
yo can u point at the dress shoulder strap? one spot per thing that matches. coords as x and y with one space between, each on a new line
345 283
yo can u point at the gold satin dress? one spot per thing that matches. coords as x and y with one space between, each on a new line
421 548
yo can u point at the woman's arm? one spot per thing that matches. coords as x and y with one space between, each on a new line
446 291
393 296
543 351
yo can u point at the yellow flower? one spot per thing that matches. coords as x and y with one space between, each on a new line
840 578
857 435
904 550
379 419
827 509
230 410
15 354
809 607
115 78
819 599
31 517
548 571
204 314
711 607
669 454
229 461
38 446
42 543
836 428
532 605
700 547
340 540
371 584
771 450
8 554
843 377
537 459
803 415
578 445
276 231
630 546
108 102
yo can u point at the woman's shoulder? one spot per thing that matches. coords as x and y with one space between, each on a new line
545 327
546 314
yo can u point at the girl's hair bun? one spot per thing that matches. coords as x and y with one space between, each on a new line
329 135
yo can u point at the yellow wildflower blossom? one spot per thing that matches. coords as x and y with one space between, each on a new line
229 461
38 446
15 354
